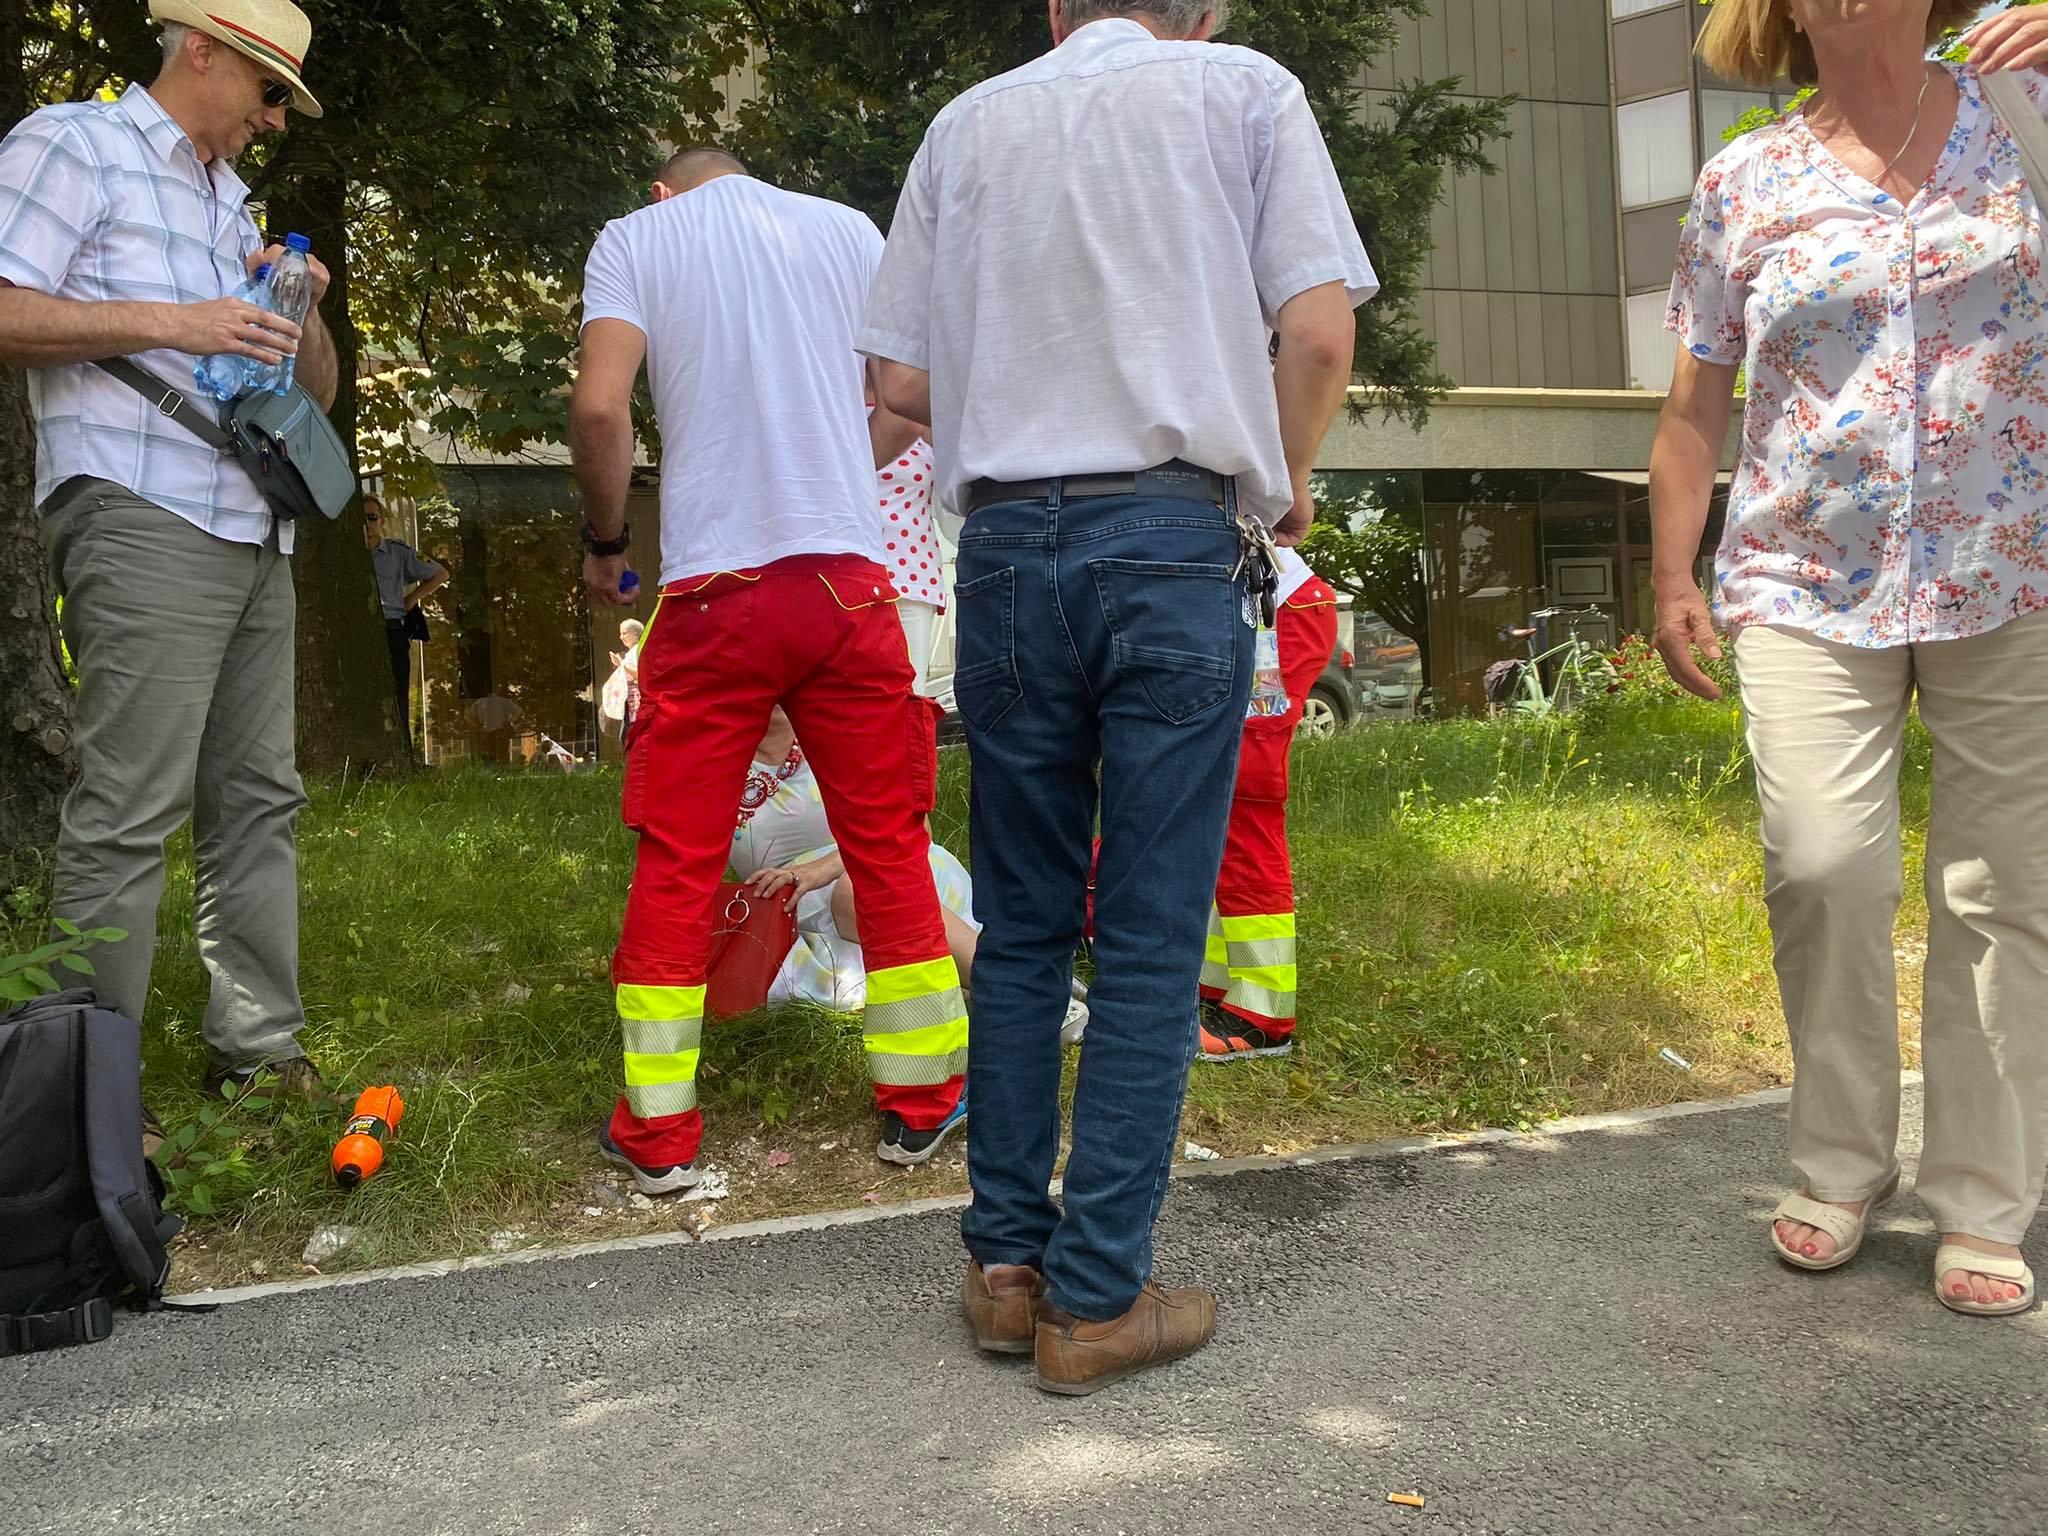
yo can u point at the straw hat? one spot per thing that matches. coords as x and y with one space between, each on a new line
272 32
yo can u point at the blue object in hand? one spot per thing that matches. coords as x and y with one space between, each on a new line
228 375
630 582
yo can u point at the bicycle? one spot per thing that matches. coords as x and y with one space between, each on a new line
1575 667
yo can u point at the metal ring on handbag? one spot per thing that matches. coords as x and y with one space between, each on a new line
746 911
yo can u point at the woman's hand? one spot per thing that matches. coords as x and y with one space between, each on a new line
798 879
2015 39
1683 625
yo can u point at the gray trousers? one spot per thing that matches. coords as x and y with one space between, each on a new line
183 644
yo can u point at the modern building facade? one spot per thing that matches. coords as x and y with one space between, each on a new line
1552 273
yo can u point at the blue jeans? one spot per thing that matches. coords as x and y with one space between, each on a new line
1107 631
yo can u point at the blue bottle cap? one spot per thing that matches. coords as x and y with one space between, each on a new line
262 271
300 243
630 582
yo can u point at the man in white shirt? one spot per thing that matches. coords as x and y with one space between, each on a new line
124 232
743 301
1084 265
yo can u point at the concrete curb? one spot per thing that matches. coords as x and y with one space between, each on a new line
1403 1146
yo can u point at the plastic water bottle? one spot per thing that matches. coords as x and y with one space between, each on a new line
291 296
1269 693
227 375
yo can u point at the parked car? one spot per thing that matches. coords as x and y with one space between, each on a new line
1333 699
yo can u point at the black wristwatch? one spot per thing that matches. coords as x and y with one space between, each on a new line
606 547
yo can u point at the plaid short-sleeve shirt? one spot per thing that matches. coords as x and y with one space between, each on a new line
107 200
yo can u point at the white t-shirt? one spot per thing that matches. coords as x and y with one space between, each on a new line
1089 251
749 297
1293 572
910 541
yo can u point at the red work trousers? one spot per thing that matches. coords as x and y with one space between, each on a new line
1250 967
818 635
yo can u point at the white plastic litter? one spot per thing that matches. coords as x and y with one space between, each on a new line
326 1242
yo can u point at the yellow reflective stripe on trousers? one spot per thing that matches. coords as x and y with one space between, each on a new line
664 1033
1260 1002
1260 960
915 1024
894 1071
1215 957
661 1002
1255 954
1271 925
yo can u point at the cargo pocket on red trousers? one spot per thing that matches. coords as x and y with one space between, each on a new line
923 716
639 766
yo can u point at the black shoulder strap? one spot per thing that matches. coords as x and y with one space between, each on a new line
169 399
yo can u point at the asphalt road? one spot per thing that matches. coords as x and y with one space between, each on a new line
1568 1335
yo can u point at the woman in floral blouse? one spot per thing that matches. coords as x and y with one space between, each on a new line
1875 264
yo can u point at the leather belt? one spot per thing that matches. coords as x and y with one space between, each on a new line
1176 478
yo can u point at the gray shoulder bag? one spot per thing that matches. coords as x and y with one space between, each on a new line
285 442
2007 95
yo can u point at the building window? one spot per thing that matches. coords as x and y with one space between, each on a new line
1722 110
1652 350
1656 149
1637 7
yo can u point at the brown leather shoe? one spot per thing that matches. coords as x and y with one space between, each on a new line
1003 1314
1076 1357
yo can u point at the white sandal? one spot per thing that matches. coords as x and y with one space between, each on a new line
1952 1257
1845 1229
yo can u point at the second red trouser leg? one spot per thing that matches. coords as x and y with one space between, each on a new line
871 743
707 684
1250 965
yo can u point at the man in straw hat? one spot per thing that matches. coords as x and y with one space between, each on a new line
124 233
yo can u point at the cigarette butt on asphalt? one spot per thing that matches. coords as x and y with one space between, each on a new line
1410 1500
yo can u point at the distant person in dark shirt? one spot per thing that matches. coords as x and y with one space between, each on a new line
404 581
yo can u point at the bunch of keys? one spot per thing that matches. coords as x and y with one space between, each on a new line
1256 550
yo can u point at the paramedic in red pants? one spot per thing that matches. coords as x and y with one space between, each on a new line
1248 976
743 300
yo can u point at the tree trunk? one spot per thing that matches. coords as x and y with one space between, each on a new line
35 698
347 718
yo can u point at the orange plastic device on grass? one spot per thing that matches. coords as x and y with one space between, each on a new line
360 1152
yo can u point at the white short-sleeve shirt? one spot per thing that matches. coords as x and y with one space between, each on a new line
1089 253
749 298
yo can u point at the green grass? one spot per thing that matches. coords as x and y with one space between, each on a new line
1502 922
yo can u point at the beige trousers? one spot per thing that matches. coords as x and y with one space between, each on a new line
1826 726
920 633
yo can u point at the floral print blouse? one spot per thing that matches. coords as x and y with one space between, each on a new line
1893 481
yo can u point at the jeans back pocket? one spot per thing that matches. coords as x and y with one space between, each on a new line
1173 631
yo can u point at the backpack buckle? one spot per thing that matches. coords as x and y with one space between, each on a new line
170 402
31 1332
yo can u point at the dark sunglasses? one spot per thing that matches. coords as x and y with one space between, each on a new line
277 94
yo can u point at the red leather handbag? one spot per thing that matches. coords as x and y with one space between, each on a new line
750 938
